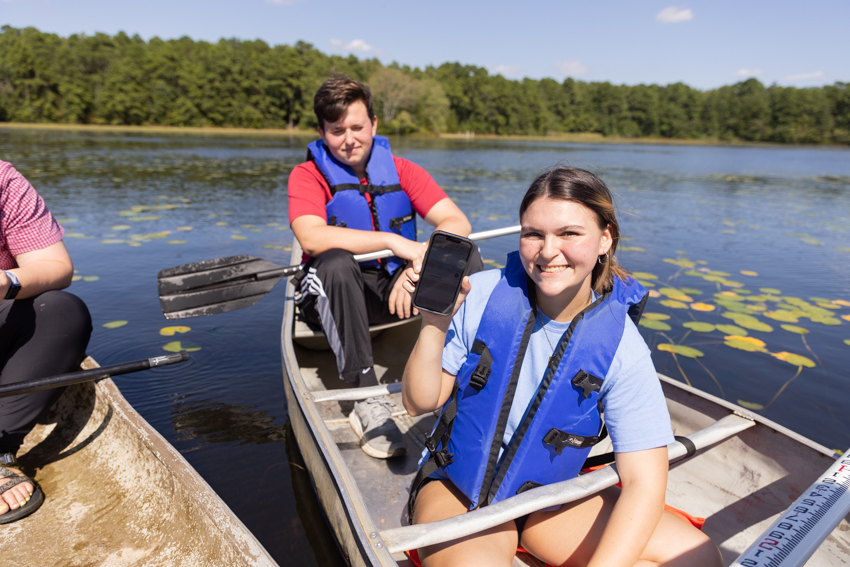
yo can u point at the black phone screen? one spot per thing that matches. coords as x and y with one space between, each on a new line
442 273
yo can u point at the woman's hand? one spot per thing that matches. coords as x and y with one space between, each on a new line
410 278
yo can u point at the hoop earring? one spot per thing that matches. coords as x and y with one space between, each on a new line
599 259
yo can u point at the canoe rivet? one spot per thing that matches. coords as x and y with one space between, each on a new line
373 534
379 544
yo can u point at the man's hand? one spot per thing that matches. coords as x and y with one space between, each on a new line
400 301
408 249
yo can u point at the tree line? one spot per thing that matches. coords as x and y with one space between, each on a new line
124 80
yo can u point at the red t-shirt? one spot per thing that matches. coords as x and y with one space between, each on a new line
309 192
25 223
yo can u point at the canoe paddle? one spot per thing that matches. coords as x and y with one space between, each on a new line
224 284
92 374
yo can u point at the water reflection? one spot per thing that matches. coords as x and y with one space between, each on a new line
207 421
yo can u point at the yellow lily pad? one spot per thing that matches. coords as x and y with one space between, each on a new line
121 227
644 276
681 262
749 273
699 326
681 350
699 306
287 228
76 278
238 237
114 324
112 241
171 331
185 228
673 304
750 405
655 316
847 341
795 329
653 293
178 346
794 359
846 317
177 242
90 278
746 339
221 224
739 342
143 218
629 248
654 325
841 302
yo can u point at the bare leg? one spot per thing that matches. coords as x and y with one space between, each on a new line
569 536
495 547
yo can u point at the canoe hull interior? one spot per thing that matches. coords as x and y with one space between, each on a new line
116 493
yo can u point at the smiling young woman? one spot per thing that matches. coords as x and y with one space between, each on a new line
546 345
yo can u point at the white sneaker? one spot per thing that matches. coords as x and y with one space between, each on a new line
379 436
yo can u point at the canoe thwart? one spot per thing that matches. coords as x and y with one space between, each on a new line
421 535
355 394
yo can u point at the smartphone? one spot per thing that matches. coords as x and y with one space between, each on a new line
442 273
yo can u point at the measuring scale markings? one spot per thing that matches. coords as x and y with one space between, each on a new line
799 531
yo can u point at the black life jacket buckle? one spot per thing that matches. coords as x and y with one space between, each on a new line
479 377
443 457
395 224
587 382
561 440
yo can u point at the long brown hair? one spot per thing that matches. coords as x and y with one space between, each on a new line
582 187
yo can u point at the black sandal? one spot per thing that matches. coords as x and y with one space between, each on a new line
9 479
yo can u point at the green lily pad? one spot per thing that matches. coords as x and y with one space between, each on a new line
238 237
795 329
646 284
847 341
114 324
716 273
735 307
756 326
90 278
656 316
781 315
729 296
624 248
681 350
681 262
673 304
644 276
655 325
699 326
121 227
829 321
750 405
690 291
770 290
794 359
176 242
177 346
732 330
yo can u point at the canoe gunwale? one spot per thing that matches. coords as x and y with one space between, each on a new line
371 549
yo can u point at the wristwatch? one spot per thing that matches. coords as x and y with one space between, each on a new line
15 287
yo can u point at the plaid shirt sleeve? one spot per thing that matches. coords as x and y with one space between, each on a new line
25 222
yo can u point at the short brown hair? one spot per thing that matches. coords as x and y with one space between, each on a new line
335 96
582 187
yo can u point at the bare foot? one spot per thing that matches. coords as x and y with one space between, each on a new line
18 495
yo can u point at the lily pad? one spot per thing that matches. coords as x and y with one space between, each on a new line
749 273
781 315
646 284
626 248
121 227
732 330
729 296
770 290
176 242
653 293
238 237
717 273
90 278
221 224
673 304
681 350
655 325
655 316
741 343
736 307
674 293
829 321
184 228
841 302
750 405
681 262
171 331
699 306
795 329
846 317
847 341
177 346
644 276
699 326
793 359
114 324
690 290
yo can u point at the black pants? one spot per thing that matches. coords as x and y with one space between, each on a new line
344 300
40 336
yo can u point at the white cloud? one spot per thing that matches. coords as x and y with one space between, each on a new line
806 76
355 45
509 71
748 72
673 15
572 68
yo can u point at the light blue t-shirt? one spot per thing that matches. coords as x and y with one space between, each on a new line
635 409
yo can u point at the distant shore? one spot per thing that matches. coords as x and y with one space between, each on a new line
576 138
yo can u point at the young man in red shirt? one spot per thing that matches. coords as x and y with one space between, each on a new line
353 196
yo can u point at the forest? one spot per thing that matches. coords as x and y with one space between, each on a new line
124 80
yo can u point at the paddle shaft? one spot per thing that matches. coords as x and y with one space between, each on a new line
86 375
792 539
291 270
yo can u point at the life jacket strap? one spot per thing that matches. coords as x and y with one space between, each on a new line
332 222
396 223
479 376
587 382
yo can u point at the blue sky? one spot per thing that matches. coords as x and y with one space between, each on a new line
704 44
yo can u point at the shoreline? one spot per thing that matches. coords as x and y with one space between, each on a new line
574 138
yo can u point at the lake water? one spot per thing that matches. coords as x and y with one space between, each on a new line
718 232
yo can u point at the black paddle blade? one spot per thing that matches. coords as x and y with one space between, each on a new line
216 286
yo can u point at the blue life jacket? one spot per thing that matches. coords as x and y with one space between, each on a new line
390 211
562 422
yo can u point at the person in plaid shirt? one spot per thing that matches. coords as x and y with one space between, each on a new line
43 331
